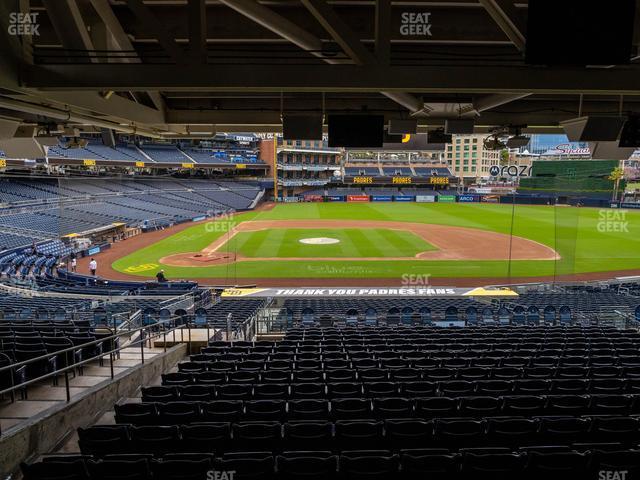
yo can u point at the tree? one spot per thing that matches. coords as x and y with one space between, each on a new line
616 175
504 157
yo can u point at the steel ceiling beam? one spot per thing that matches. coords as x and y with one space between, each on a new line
70 27
504 14
336 78
146 17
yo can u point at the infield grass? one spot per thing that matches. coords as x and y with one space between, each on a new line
352 242
588 240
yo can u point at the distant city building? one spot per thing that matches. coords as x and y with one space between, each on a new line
467 157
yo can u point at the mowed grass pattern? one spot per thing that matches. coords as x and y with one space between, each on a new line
353 243
586 241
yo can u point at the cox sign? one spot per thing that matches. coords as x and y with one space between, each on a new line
510 170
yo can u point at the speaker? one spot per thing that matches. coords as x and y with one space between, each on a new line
108 138
8 128
356 131
301 127
579 32
459 126
438 136
400 127
630 135
593 129
609 151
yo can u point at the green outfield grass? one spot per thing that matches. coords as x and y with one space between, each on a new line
285 242
587 240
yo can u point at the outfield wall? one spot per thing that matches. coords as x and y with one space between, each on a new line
518 199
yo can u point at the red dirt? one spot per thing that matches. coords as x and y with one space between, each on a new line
125 247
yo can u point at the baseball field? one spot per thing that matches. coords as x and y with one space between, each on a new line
387 241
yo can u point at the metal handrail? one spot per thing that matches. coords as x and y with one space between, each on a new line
65 370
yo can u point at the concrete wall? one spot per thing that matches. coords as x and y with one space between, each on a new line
42 433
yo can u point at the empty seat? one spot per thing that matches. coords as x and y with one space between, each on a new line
206 437
308 435
363 433
254 436
408 433
103 439
359 465
311 465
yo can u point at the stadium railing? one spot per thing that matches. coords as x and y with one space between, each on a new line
138 337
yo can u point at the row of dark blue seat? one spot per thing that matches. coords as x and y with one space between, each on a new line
177 412
397 434
413 464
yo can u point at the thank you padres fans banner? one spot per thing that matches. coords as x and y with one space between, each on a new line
369 292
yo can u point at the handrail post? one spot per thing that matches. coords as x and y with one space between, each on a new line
189 344
142 346
66 384
111 362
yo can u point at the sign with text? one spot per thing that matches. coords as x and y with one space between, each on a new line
364 292
363 180
510 170
439 180
401 180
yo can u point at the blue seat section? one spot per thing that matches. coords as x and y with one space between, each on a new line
165 153
375 403
50 208
431 171
355 171
391 171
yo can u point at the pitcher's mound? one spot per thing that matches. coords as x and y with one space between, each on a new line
319 241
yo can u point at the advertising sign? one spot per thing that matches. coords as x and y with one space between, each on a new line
363 180
313 198
425 198
334 198
439 180
467 198
357 198
381 198
510 170
367 292
490 198
401 180
446 198
404 198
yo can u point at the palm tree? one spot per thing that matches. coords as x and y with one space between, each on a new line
616 175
